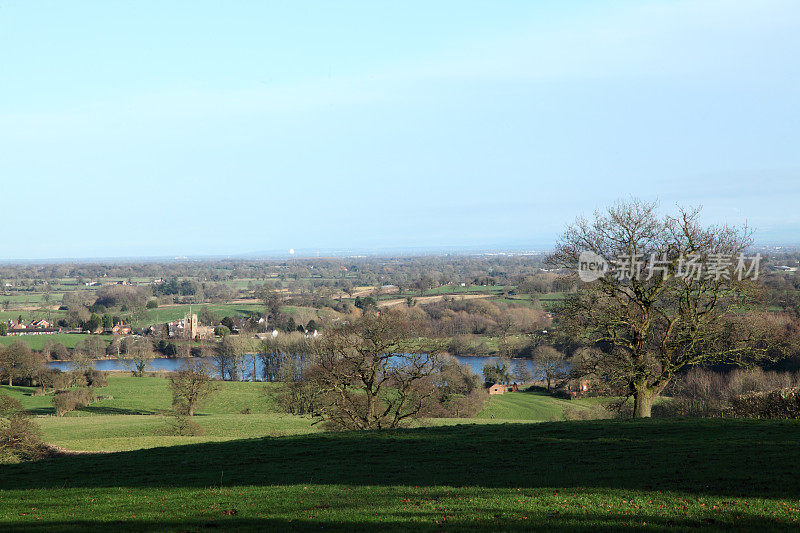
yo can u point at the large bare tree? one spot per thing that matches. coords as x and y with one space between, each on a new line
368 374
191 385
18 361
671 293
283 358
550 364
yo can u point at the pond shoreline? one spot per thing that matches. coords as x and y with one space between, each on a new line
113 358
253 363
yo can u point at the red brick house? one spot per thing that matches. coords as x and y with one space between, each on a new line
121 329
496 388
578 387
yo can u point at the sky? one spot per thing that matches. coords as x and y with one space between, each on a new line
198 128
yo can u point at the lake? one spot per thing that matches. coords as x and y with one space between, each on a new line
476 363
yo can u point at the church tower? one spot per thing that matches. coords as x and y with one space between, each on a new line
192 326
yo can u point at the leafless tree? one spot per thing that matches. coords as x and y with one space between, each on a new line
81 362
20 437
550 364
369 375
17 361
272 302
285 357
521 371
460 390
230 355
651 324
191 385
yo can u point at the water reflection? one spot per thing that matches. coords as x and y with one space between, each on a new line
254 363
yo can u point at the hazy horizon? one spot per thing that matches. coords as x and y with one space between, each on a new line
338 253
216 129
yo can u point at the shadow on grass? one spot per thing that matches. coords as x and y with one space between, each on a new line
103 410
502 520
724 457
538 390
41 411
93 409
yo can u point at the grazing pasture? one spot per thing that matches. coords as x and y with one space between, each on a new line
37 342
676 475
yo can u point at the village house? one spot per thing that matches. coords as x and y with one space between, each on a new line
175 328
269 335
578 387
496 388
120 329
37 327
501 388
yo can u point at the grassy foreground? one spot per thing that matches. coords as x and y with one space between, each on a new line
652 474
129 417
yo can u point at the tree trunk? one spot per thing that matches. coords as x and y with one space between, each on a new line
644 398
190 410
643 403
10 381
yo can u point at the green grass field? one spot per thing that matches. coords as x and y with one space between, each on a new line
32 298
652 475
37 342
269 470
132 418
457 289
30 315
149 395
134 408
243 283
133 432
530 406
446 289
162 315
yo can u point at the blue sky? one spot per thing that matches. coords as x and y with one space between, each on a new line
203 128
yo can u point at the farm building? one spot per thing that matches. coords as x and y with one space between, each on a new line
120 329
496 388
501 388
578 387
37 327
32 331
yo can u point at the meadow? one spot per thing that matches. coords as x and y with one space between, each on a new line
677 475
31 314
530 406
518 464
254 468
162 315
131 414
37 342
